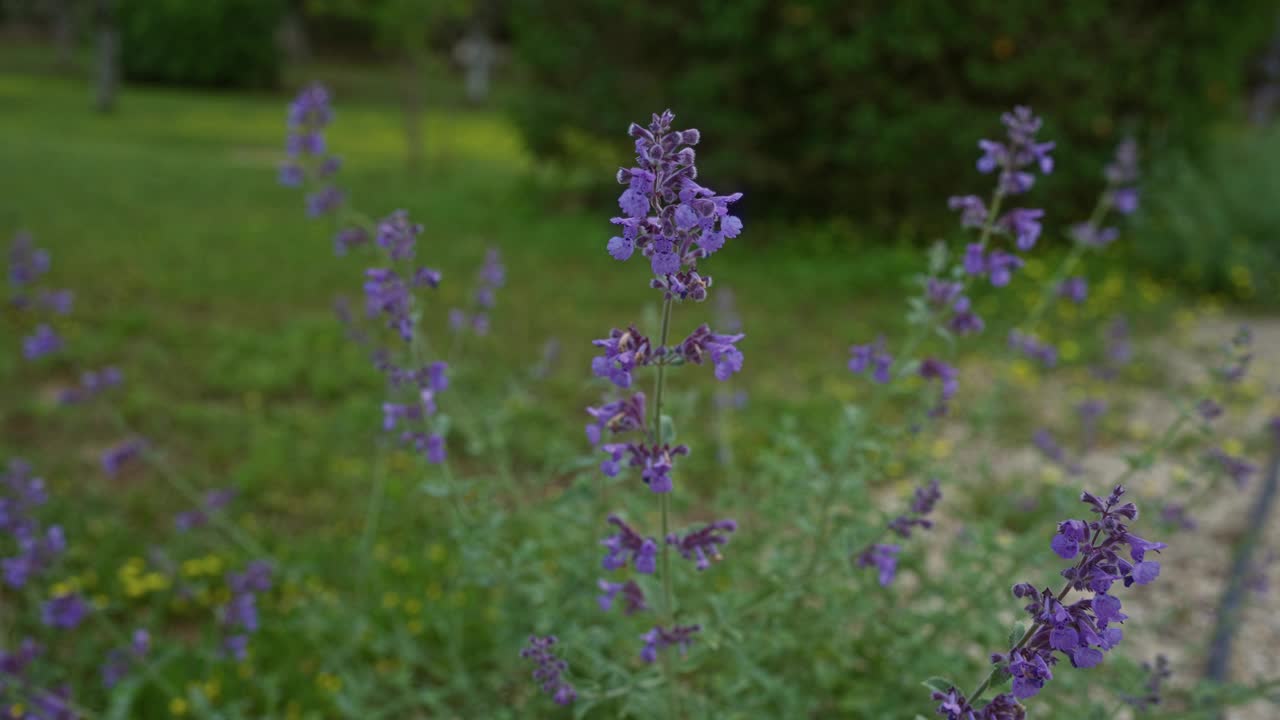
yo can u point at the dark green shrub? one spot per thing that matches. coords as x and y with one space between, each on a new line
866 108
1213 223
220 43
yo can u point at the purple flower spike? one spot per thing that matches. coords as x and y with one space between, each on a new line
627 545
44 341
703 544
549 670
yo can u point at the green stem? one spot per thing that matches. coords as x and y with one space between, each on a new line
1066 267
664 503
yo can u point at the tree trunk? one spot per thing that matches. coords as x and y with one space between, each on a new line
64 33
108 65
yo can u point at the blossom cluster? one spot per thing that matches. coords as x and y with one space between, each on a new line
667 215
34 546
240 614
27 264
308 159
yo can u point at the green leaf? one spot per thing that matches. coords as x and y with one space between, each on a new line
668 429
938 684
1016 634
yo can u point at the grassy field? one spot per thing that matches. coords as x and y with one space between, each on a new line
203 279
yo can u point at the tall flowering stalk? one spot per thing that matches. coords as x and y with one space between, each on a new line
1106 553
675 223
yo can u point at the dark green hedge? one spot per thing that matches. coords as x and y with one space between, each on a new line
872 108
216 43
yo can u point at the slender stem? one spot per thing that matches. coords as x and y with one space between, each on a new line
664 502
1066 267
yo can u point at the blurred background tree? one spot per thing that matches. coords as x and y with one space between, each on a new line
407 31
865 108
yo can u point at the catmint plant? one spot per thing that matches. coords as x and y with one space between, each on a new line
392 286
676 224
1106 555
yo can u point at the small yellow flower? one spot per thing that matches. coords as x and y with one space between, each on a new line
17 710
177 707
1139 429
413 606
293 711
1004 538
244 670
942 448
415 627
400 564
436 553
328 682
212 688
434 591
1069 350
390 600
894 468
1232 446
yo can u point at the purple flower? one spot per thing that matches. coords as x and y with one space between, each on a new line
291 174
324 201
1176 515
660 638
1024 225
703 544
942 293
549 670
348 238
623 352
1075 289
1000 266
1157 675
65 612
921 505
616 417
975 260
721 349
874 357
26 261
973 212
1236 468
1093 236
44 341
115 458
628 546
632 596
935 369
1209 410
1032 347
885 560
92 384
964 321
398 235
1121 175
121 660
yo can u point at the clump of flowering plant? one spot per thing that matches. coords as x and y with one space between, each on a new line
1106 554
